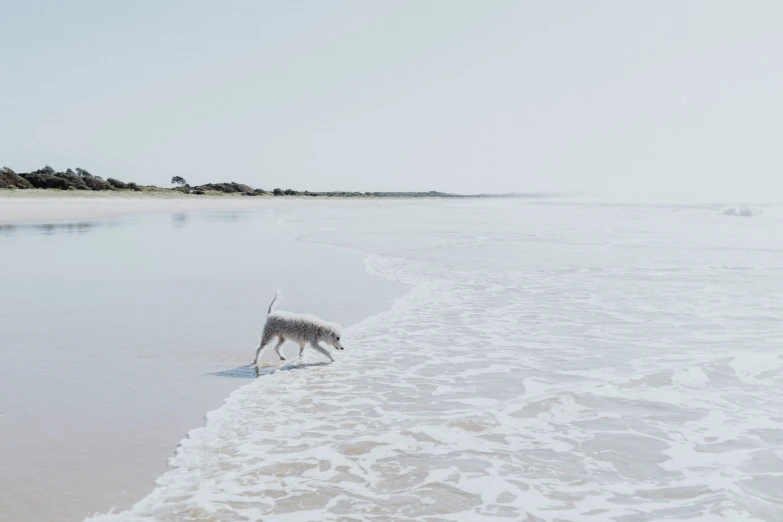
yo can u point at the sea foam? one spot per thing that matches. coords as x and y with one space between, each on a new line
538 376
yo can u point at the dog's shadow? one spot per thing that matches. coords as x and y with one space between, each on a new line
247 371
250 371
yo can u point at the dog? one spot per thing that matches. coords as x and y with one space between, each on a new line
299 328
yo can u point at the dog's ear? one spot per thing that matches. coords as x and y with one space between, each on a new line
320 331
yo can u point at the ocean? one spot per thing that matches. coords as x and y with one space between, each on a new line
553 359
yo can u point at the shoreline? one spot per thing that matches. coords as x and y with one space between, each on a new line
150 398
41 207
44 210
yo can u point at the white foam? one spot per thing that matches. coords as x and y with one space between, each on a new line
544 375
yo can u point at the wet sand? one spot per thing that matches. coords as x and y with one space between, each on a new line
41 206
52 206
120 334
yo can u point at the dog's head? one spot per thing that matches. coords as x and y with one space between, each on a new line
335 340
332 336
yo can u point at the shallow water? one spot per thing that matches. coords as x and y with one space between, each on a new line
554 361
118 335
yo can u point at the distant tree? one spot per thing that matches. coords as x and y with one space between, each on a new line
83 173
277 192
95 183
178 180
115 183
10 179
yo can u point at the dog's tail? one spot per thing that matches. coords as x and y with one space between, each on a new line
277 294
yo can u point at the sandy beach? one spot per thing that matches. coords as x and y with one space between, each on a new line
50 206
124 330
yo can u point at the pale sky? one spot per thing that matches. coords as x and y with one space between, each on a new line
481 96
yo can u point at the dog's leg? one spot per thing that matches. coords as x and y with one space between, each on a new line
321 349
264 341
277 348
301 349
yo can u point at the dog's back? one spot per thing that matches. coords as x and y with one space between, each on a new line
297 327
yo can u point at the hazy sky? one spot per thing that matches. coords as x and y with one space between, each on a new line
360 95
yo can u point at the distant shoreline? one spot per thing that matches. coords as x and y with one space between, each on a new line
162 193
82 181
47 206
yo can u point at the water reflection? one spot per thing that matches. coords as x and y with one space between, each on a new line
7 229
179 219
68 228
227 217
52 228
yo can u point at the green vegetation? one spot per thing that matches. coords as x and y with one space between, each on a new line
231 188
81 179
10 179
48 178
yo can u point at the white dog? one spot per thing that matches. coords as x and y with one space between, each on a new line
299 328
